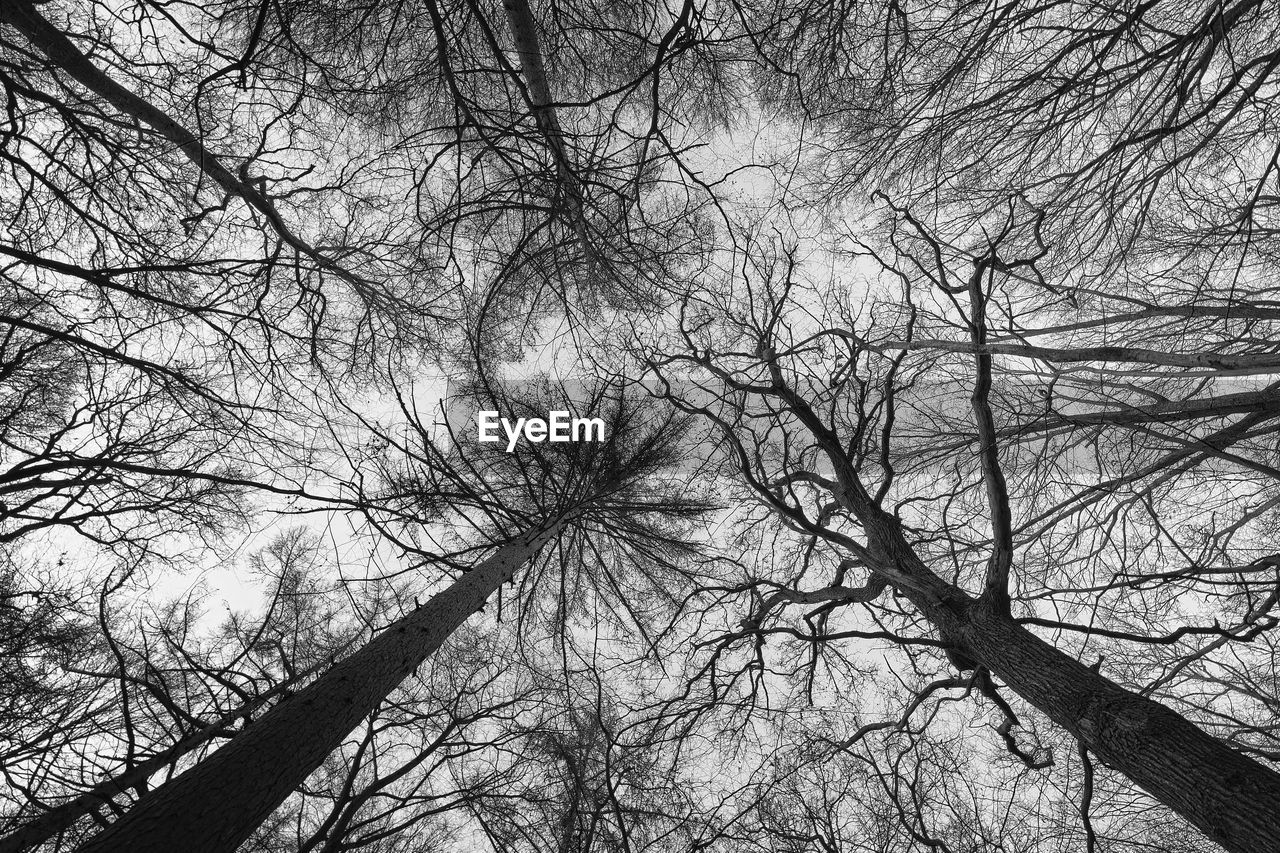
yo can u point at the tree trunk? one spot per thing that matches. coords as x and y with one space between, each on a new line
524 33
1229 796
58 819
214 806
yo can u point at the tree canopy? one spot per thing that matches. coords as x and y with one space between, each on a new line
937 358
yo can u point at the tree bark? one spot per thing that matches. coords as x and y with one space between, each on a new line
214 806
524 33
1229 796
61 817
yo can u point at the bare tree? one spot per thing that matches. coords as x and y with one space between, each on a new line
594 489
841 442
1019 442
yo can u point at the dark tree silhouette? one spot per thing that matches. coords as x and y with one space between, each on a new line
218 803
842 444
977 298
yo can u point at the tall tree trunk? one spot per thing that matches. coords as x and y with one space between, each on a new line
1232 798
215 805
1229 796
524 33
61 817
